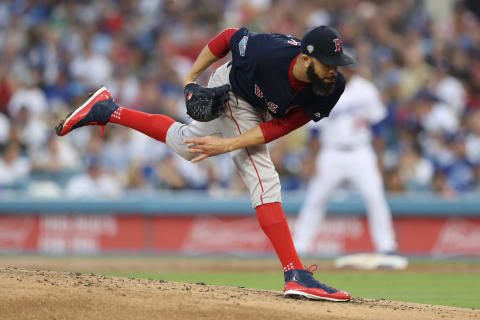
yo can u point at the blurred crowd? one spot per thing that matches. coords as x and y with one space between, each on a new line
423 55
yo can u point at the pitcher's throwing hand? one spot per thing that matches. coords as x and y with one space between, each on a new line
207 147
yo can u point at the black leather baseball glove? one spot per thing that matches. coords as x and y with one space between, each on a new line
205 104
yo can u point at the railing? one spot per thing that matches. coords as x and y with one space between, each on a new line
199 203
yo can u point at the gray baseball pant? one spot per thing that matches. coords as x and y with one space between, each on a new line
253 163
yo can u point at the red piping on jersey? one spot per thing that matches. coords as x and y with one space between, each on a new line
296 85
248 152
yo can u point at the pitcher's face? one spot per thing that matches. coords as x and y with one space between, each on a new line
323 77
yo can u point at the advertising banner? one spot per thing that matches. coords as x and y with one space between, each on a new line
91 234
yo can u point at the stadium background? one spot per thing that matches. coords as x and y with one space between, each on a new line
127 193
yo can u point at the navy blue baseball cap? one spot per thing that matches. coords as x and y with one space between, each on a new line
325 44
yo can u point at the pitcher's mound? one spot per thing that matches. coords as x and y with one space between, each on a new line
37 294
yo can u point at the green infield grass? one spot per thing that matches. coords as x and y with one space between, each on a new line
449 289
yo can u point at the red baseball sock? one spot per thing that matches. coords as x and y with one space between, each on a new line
153 125
273 223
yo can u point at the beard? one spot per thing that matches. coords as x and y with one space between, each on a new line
319 86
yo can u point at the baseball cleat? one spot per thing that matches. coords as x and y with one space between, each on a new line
301 283
95 111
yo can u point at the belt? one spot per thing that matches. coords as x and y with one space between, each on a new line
345 148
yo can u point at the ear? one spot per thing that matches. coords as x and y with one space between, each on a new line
306 60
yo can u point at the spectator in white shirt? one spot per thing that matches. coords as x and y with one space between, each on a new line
433 115
14 168
57 157
449 89
28 95
93 68
472 142
95 183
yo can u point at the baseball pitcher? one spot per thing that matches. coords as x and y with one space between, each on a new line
273 85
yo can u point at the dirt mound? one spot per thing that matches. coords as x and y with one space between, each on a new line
39 294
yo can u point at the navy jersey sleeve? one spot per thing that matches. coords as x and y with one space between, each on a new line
239 41
322 106
240 46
